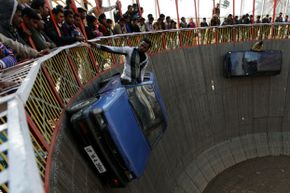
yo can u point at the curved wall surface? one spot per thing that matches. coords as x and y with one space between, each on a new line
214 123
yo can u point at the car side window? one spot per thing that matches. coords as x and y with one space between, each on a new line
236 67
148 111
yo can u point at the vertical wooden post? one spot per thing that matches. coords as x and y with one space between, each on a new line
274 11
254 7
241 8
158 8
195 8
286 7
234 7
177 13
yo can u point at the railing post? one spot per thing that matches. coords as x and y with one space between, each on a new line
23 173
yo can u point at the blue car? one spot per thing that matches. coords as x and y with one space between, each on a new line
119 127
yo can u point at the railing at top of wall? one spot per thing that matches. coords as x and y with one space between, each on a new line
32 106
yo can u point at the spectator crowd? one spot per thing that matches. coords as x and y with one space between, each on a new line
31 29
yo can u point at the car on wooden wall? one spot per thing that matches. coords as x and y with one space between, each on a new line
118 128
251 63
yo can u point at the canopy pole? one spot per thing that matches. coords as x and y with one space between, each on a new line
158 8
274 11
262 10
177 13
253 13
198 6
234 9
196 19
241 9
286 7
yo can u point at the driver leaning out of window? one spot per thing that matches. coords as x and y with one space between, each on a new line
136 60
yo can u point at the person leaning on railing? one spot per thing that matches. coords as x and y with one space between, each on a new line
22 51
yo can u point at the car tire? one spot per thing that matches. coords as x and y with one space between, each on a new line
81 104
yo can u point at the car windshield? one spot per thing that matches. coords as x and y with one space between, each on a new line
148 111
236 64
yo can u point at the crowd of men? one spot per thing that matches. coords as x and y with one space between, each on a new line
244 19
30 30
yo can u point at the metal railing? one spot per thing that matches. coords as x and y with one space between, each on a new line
33 105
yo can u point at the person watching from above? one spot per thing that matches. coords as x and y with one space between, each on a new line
136 60
120 27
22 51
183 23
10 18
191 23
142 25
68 29
92 30
41 7
35 26
40 39
103 25
83 14
52 31
168 23
109 25
78 22
203 23
134 25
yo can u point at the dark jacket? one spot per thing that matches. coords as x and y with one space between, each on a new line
7 11
52 33
41 40
69 30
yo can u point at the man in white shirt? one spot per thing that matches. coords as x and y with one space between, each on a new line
136 60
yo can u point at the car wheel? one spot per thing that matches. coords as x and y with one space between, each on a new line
80 105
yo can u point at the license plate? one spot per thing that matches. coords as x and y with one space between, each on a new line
96 160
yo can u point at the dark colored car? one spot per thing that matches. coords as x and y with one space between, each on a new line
250 63
118 129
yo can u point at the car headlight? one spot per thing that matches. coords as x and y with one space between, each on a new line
100 120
